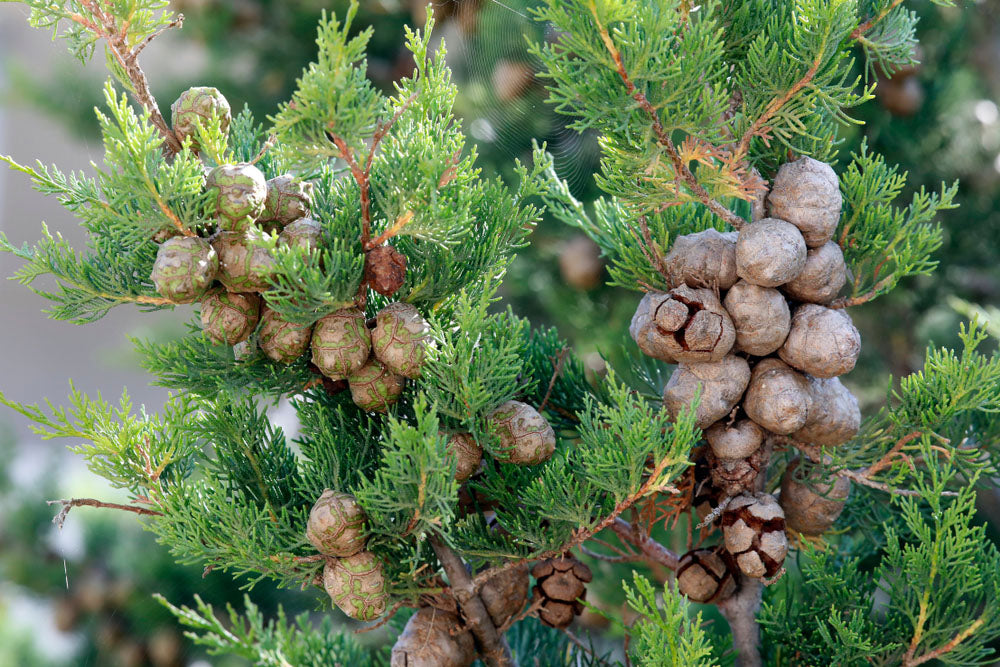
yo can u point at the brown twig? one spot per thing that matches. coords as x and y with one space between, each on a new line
870 23
401 222
650 548
69 504
116 38
681 170
494 649
886 459
848 302
910 661
560 359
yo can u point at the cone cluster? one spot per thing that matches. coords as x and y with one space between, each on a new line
749 323
229 271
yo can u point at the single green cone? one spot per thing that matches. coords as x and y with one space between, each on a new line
526 438
228 317
244 266
400 339
288 199
341 343
195 105
304 233
356 584
239 191
336 525
185 267
281 340
375 388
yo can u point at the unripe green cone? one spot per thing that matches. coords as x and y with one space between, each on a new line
281 340
287 200
244 266
239 191
400 339
194 106
375 388
356 585
526 438
336 525
304 233
341 343
185 266
230 317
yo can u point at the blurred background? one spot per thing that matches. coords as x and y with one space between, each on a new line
82 595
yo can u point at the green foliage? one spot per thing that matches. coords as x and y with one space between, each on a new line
666 634
933 592
883 243
945 415
276 642
132 451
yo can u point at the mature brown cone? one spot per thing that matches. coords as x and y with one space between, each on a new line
812 508
778 397
770 252
505 594
467 453
721 384
684 325
703 576
734 441
806 193
753 527
385 270
761 317
822 342
433 638
822 277
705 259
835 416
562 583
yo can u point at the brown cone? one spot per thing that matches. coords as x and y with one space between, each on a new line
704 576
561 585
385 270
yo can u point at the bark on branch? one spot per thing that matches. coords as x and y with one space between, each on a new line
495 651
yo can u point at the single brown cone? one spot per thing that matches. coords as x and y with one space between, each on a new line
806 193
835 416
467 452
385 270
336 525
704 259
822 278
770 252
812 508
753 527
526 437
561 585
684 325
778 397
722 385
433 638
760 316
505 594
822 342
703 576
734 441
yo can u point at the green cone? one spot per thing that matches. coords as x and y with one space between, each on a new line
185 267
239 191
341 343
244 266
281 340
400 339
195 105
229 318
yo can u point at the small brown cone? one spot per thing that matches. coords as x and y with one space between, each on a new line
753 527
761 318
806 193
705 259
822 342
834 417
505 594
433 638
735 476
684 325
778 397
770 252
467 452
561 585
734 441
703 576
385 270
822 278
812 508
722 384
